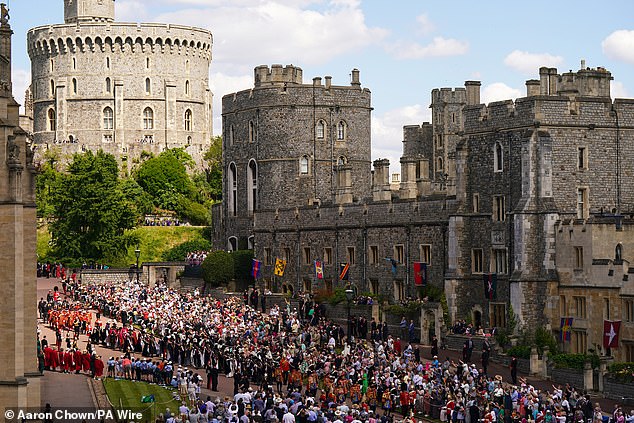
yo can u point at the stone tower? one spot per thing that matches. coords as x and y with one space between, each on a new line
88 11
124 88
286 142
19 376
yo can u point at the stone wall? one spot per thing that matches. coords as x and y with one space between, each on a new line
571 376
619 391
122 276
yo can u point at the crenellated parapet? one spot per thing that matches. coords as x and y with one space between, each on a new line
95 37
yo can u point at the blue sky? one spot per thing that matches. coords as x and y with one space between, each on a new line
403 48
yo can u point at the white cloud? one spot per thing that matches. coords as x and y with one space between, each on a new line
619 46
439 47
280 32
21 79
426 26
618 90
222 84
131 11
387 132
499 91
529 63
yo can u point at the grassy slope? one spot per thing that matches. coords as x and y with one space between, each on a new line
154 241
129 394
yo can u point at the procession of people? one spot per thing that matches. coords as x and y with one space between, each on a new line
286 364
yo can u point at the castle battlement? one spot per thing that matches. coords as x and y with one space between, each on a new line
98 37
277 74
448 95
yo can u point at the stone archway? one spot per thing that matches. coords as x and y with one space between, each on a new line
476 316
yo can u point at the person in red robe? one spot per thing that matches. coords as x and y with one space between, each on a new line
98 367
54 359
48 352
68 361
77 358
85 361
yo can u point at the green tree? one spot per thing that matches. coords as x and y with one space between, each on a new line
136 195
179 253
164 176
213 169
218 268
92 213
46 182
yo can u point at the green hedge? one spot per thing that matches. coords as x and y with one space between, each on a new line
623 372
574 361
520 351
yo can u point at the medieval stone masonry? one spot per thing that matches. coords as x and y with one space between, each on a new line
126 88
19 374
486 193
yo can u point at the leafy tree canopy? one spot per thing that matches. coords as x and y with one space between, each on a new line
218 268
165 176
92 213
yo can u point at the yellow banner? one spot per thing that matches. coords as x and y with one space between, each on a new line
280 266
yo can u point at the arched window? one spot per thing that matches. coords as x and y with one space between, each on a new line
52 120
232 189
74 63
186 87
148 86
52 65
188 120
252 186
108 119
320 129
74 86
108 85
341 131
342 160
232 243
148 118
303 165
52 88
618 253
147 63
252 132
189 140
107 63
439 165
251 242
498 157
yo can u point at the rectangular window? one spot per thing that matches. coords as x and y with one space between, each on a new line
499 261
629 352
350 255
374 286
307 258
579 341
399 254
563 309
582 203
327 255
582 158
499 208
606 309
477 260
628 310
267 256
374 254
578 257
580 307
425 253
497 315
476 203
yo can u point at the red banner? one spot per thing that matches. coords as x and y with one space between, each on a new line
420 273
611 333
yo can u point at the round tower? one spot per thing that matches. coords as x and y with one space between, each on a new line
88 11
126 88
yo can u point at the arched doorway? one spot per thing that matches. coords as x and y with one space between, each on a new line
477 318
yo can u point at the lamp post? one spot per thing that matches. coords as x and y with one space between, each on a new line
137 253
349 297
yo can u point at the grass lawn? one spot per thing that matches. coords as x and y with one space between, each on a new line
126 395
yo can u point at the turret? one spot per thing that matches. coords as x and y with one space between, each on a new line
88 11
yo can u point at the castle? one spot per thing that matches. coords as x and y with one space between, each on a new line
127 88
19 374
521 205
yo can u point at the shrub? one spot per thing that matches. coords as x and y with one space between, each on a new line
218 268
544 338
520 351
622 372
575 361
410 310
